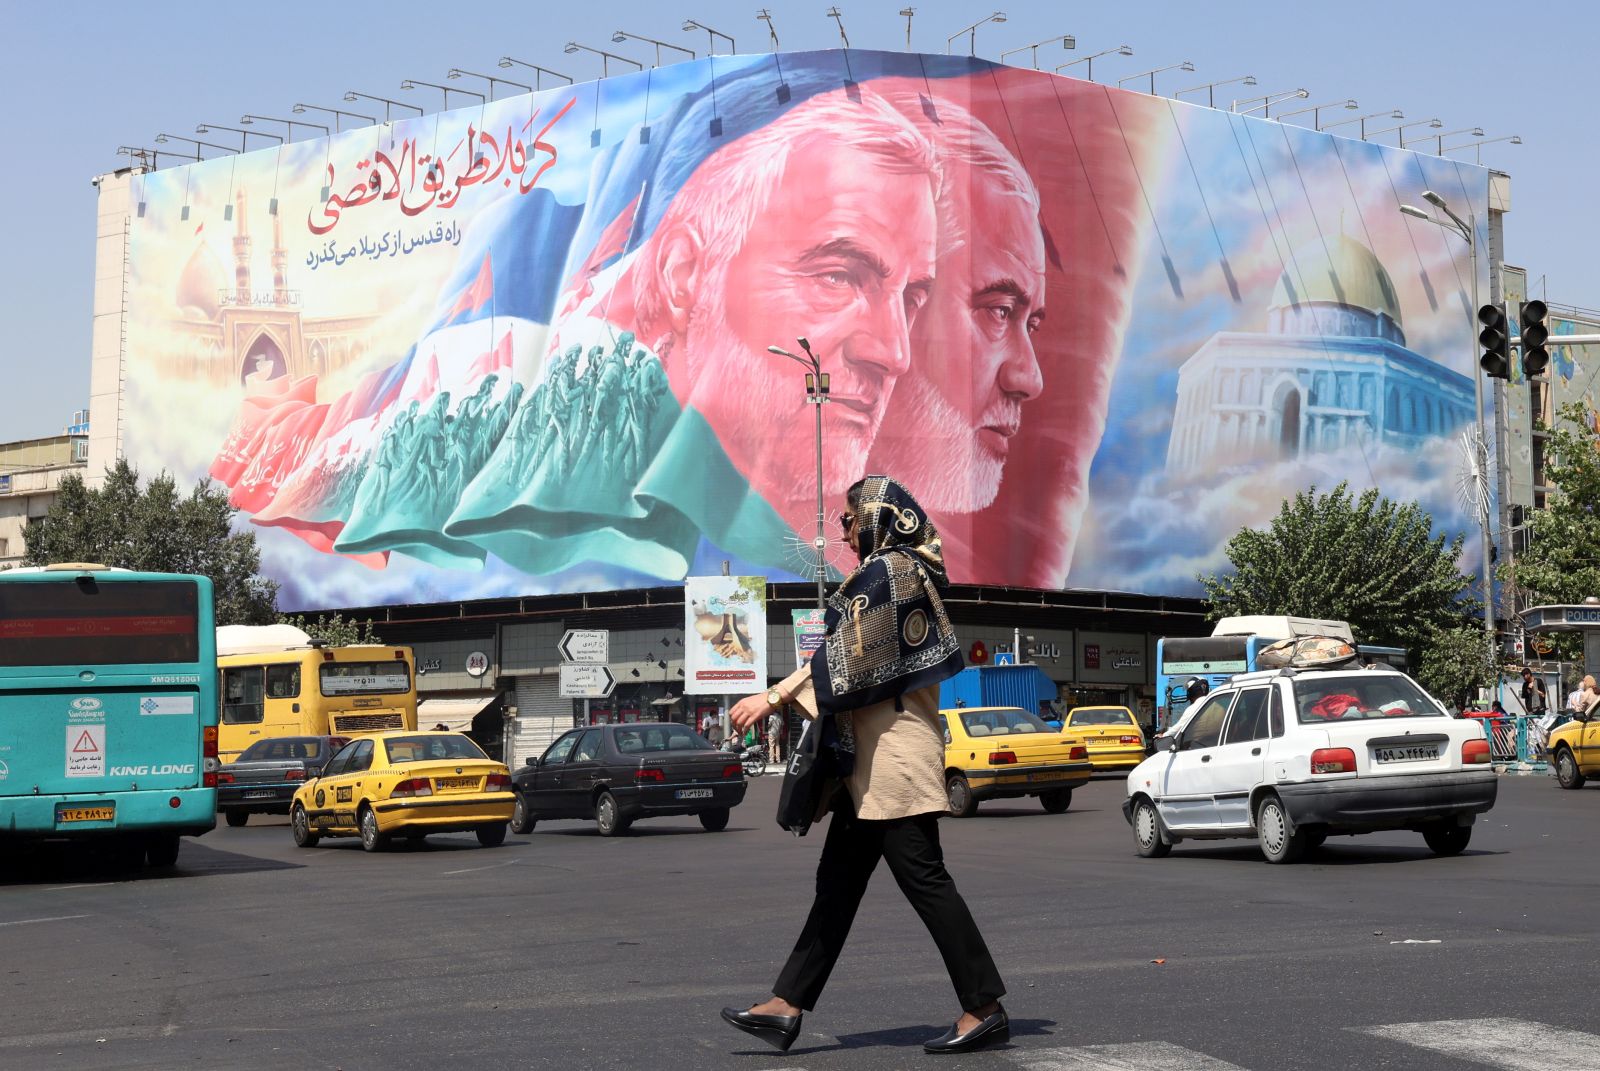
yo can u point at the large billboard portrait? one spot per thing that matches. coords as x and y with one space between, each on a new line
522 348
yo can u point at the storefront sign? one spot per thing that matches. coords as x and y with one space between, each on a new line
808 633
477 664
1091 656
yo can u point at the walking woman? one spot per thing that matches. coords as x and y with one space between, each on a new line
874 687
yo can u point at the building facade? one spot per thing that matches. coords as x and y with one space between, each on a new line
30 473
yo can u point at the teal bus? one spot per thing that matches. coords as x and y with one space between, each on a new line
108 709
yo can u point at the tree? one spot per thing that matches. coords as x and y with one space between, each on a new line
1561 563
334 630
1454 665
1368 561
155 529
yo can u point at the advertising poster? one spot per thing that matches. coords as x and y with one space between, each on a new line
809 631
725 635
520 348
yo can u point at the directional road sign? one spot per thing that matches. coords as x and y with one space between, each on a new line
586 682
591 647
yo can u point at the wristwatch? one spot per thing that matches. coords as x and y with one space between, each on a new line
774 697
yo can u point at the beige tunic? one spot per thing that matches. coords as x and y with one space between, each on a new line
899 769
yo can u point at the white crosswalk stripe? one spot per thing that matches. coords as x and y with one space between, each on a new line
1510 1044
1132 1056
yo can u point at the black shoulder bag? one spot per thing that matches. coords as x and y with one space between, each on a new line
808 783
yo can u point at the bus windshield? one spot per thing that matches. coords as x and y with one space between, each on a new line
365 678
91 623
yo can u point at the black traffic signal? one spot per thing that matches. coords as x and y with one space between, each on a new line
1535 358
1496 358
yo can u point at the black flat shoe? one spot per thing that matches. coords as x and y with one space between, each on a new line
995 1030
779 1031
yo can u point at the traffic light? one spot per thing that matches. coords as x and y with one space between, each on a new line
1496 358
1535 358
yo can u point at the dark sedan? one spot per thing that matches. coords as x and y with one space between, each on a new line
263 779
616 774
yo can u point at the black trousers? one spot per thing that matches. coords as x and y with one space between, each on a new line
911 848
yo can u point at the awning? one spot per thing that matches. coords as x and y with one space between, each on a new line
454 714
668 701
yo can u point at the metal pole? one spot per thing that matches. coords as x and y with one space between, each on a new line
1483 510
822 536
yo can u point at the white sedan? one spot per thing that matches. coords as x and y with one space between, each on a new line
1292 757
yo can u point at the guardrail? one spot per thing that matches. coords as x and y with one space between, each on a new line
1516 741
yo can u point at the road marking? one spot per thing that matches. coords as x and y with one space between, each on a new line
53 918
1134 1056
474 869
1512 1044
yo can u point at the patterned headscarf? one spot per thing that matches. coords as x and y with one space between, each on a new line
887 629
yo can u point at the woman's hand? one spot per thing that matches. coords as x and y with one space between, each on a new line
748 711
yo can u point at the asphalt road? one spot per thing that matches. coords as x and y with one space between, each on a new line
565 950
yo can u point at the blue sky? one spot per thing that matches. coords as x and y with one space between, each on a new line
79 84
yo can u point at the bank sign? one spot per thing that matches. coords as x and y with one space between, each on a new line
521 348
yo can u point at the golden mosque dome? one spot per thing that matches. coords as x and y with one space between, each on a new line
201 283
1357 278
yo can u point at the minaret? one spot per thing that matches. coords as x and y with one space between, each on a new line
280 264
241 247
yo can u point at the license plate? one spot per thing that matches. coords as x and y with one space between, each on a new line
259 794
455 784
1406 754
694 793
86 814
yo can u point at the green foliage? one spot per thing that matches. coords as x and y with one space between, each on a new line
156 529
334 630
1454 665
1368 561
1562 561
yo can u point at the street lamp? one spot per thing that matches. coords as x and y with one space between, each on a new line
412 83
605 57
1475 131
1467 230
834 14
1265 103
248 120
972 33
623 35
162 139
816 394
690 24
763 16
1362 119
352 95
244 135
1067 41
1211 88
1478 145
538 71
1316 109
1403 127
456 72
1120 50
301 109
1184 66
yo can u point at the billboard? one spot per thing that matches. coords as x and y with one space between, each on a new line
521 348
725 634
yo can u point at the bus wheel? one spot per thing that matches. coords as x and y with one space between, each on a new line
236 817
162 849
300 824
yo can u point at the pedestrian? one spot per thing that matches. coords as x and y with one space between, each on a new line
873 689
1574 697
775 736
1533 694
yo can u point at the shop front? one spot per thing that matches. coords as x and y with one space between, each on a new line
1111 669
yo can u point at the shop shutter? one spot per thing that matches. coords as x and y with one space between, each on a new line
542 715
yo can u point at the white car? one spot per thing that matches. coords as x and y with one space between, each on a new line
1292 757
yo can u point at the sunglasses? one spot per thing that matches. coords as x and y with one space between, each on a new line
846 522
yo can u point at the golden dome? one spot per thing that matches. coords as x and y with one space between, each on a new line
201 283
1357 278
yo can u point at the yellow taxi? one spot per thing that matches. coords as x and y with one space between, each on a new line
1111 734
408 784
993 753
1575 750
